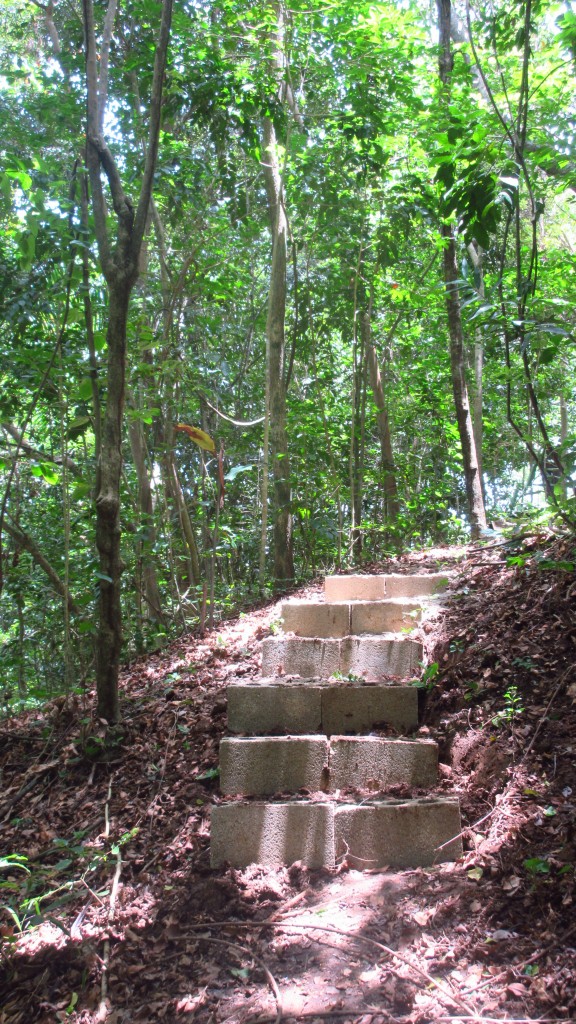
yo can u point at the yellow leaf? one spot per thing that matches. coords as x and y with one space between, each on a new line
202 439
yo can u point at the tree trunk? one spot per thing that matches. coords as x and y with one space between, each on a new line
474 497
476 254
383 424
283 566
150 588
108 532
174 489
119 264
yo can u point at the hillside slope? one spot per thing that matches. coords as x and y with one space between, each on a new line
125 921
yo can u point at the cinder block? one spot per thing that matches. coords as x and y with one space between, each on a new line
366 657
261 766
357 708
354 588
300 656
268 833
311 618
373 658
266 708
375 588
295 707
398 585
389 616
398 834
368 762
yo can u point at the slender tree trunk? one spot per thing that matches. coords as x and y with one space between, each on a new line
474 497
150 588
174 489
275 365
476 255
120 264
383 425
108 531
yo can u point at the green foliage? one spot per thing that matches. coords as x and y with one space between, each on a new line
512 709
371 167
65 868
428 678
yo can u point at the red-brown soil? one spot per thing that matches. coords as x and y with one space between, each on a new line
126 922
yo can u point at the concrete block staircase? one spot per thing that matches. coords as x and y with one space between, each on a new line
310 728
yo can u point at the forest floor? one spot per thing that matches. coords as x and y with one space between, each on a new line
127 922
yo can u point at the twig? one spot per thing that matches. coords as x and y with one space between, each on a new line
509 1020
263 967
151 806
8 806
439 986
314 1014
102 1011
287 906
560 940
107 811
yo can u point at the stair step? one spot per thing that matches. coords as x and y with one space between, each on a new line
381 833
301 706
350 618
375 588
262 766
370 658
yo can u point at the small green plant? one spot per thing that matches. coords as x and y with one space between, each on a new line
350 677
526 663
536 866
428 677
512 708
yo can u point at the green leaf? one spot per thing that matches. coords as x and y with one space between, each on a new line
211 773
46 471
536 866
475 874
80 490
84 390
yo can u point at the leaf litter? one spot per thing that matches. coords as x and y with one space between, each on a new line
124 920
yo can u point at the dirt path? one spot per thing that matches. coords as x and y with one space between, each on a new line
135 926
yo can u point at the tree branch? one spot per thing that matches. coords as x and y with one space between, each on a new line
104 61
154 133
92 133
24 540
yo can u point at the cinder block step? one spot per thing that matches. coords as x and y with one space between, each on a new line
301 706
393 833
369 762
398 833
266 833
262 766
375 588
350 618
365 657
